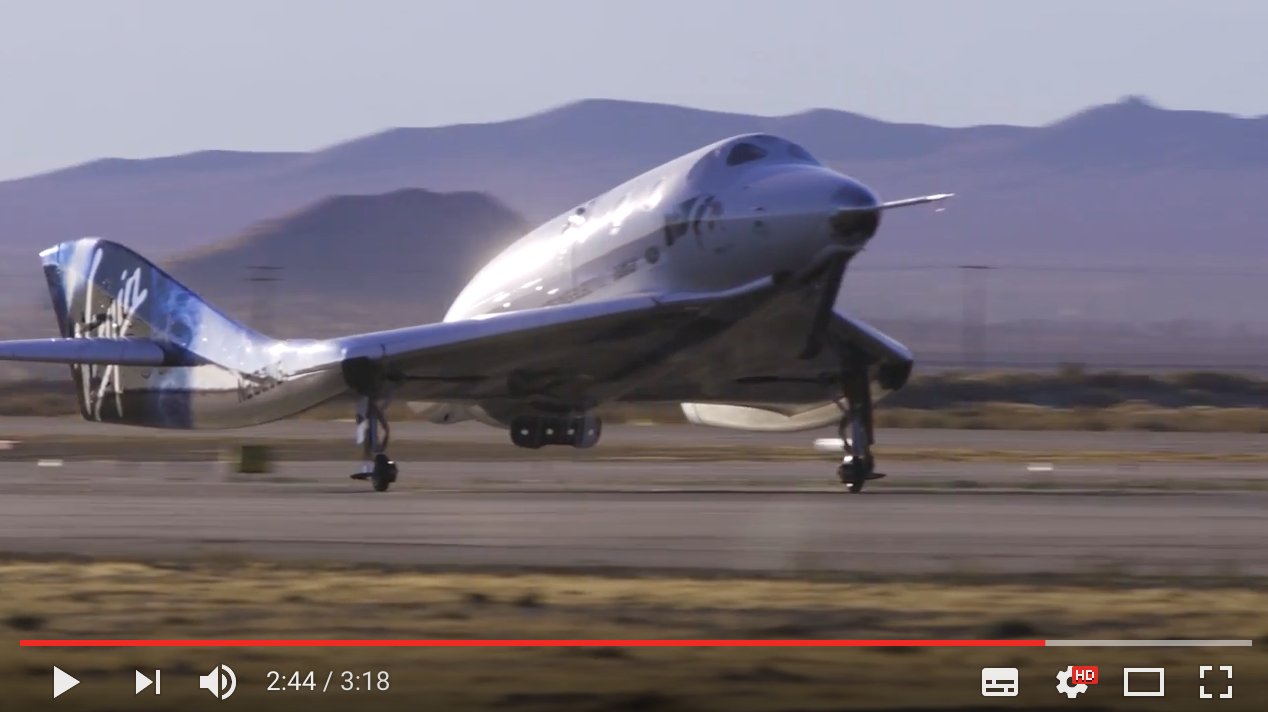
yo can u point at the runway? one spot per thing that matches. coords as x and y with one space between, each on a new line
752 517
413 431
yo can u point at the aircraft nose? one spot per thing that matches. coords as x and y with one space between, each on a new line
855 215
803 209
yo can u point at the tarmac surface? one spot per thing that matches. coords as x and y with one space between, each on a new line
414 431
1137 441
1191 520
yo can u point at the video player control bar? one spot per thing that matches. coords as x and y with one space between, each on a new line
1147 643
565 643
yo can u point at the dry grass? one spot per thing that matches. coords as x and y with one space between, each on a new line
235 600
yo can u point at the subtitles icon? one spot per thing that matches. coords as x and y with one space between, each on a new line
999 682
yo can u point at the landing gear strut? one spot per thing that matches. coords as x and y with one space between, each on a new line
373 434
856 431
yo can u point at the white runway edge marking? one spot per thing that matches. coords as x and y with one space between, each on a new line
1148 643
48 463
1040 467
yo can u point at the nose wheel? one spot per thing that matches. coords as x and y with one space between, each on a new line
856 431
854 471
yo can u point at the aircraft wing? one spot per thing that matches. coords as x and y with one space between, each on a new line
561 352
592 350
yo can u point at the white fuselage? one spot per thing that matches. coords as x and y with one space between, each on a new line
692 224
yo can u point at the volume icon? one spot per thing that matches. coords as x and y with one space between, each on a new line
220 682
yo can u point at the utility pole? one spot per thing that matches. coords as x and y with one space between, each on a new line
263 279
974 320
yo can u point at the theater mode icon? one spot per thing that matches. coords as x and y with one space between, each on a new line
1142 672
999 682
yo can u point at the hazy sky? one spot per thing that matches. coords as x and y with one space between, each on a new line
137 78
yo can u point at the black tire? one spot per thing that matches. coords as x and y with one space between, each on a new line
586 437
384 473
855 474
528 432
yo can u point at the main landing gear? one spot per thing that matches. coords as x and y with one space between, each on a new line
856 431
534 431
373 434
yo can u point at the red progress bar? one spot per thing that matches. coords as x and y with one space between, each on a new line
529 643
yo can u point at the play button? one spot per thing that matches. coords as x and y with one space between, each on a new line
62 682
142 682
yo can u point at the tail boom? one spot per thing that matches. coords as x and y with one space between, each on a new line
145 350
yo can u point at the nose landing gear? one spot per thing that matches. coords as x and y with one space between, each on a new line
856 431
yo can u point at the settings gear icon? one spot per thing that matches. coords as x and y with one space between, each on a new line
1064 686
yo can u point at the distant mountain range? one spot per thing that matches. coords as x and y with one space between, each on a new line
411 249
1123 184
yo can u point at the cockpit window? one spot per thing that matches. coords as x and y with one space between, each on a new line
800 153
744 153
